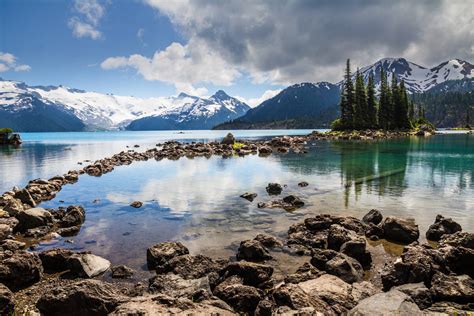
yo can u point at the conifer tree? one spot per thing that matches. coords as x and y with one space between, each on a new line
403 120
395 104
411 111
384 102
347 99
371 103
360 107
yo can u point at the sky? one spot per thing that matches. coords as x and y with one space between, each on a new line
250 48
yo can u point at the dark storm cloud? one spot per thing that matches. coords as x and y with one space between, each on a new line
288 41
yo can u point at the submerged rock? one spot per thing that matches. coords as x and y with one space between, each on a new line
442 226
400 230
303 184
159 254
249 196
136 204
274 188
88 265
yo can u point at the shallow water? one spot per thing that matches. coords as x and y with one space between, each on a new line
197 200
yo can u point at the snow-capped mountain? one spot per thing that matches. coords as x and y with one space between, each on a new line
82 110
419 78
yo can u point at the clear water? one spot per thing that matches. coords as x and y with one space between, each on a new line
197 200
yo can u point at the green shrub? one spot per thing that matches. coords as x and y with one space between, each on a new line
336 125
6 130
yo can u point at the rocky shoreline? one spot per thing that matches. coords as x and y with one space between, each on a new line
331 280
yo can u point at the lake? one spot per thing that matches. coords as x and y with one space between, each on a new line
197 200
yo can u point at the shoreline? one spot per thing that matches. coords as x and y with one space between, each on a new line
232 287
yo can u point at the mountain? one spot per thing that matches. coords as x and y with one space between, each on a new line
310 105
195 113
315 104
58 108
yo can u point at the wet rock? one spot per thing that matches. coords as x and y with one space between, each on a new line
74 216
88 265
249 196
159 254
346 268
303 184
293 201
69 231
264 150
400 230
25 197
459 288
373 216
420 294
441 227
252 250
32 218
82 298
55 260
274 188
193 267
229 139
339 235
7 304
174 285
242 298
393 302
356 249
121 272
458 239
136 204
268 241
20 269
252 273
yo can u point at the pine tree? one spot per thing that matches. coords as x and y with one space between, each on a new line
384 102
371 103
411 111
395 104
360 107
347 99
468 118
403 116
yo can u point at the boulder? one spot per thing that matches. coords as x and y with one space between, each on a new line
7 304
252 273
25 197
373 216
420 294
346 268
121 272
12 245
264 150
249 196
356 249
393 302
400 230
339 235
81 298
458 239
274 188
136 204
20 269
442 226
13 207
304 273
193 267
159 254
268 241
55 260
175 286
5 231
74 216
32 218
303 184
299 302
242 298
321 256
319 222
293 201
87 265
229 139
252 250
455 288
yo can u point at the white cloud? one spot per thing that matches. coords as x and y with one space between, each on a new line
184 66
8 62
84 24
140 34
253 102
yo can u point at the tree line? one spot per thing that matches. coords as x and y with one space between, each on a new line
360 108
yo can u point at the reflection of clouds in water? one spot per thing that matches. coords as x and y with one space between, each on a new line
96 231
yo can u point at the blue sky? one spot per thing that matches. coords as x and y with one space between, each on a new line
249 48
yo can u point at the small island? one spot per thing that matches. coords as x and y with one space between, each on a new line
7 137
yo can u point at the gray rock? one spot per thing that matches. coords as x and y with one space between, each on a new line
159 254
193 267
229 139
459 288
20 269
339 235
346 268
242 298
252 250
373 216
55 260
442 226
303 184
75 216
121 272
12 245
400 230
249 196
393 302
356 249
88 265
7 304
25 197
252 273
268 241
459 239
32 218
5 231
420 294
175 286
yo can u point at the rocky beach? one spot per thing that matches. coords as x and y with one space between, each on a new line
338 270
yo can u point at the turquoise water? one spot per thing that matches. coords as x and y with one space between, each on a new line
197 200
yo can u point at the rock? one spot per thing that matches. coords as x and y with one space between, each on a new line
12 245
5 231
229 139
459 259
7 304
32 218
265 308
136 204
174 285
458 239
268 241
393 302
242 298
69 231
293 201
25 197
303 184
420 294
400 230
373 216
75 216
274 188
121 272
374 232
339 235
319 222
441 227
346 268
55 260
304 273
81 298
252 250
264 150
459 288
301 302
159 254
88 265
252 273
13 207
20 269
356 249
249 196
193 267
321 256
